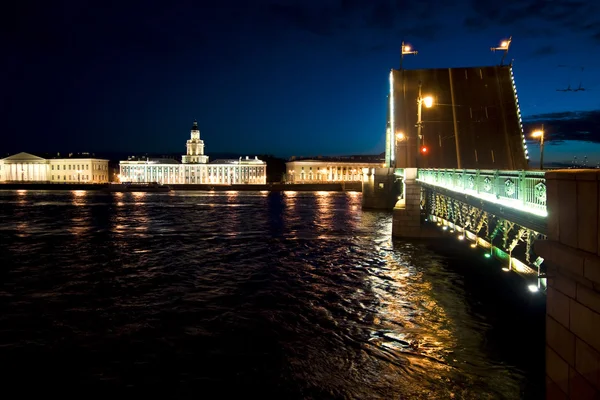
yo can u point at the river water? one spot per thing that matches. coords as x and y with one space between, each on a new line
252 295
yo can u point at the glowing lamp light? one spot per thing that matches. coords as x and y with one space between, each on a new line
537 133
424 150
504 44
505 269
461 237
428 101
473 245
487 255
400 136
406 48
532 288
445 228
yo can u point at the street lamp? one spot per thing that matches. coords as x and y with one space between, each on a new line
540 133
428 101
405 49
504 45
400 136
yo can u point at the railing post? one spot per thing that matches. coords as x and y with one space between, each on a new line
496 183
454 178
522 187
477 181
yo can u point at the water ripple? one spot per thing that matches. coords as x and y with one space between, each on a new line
289 296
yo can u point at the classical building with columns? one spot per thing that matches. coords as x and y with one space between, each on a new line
195 168
330 169
25 167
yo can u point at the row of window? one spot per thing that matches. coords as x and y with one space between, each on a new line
303 177
338 168
79 177
77 167
176 169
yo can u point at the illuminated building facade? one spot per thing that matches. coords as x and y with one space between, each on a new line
25 167
323 170
195 168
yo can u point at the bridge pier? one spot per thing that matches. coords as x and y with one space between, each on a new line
380 189
572 259
406 220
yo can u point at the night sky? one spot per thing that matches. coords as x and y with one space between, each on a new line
279 77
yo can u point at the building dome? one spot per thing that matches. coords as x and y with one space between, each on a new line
195 126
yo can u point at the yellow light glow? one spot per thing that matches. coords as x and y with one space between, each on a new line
537 133
392 112
428 100
400 136
264 192
290 193
79 193
406 48
504 44
21 192
323 193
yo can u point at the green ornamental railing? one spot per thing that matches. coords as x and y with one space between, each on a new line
521 190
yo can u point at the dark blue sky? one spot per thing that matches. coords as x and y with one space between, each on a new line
280 77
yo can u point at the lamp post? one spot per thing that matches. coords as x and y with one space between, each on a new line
428 101
540 133
504 45
405 49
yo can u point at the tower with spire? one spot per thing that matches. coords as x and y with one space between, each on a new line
195 148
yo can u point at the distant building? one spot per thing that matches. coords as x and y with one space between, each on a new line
331 169
25 167
195 168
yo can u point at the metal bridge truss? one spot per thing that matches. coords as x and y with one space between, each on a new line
503 211
506 240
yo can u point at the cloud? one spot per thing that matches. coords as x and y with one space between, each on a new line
544 51
327 18
320 21
557 15
569 125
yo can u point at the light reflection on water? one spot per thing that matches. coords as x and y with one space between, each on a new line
289 295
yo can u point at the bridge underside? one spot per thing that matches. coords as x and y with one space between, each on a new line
507 235
474 122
